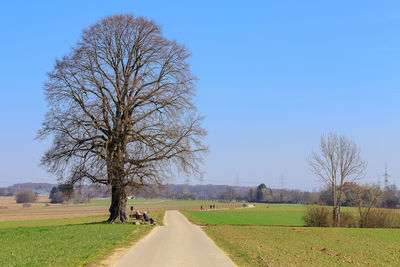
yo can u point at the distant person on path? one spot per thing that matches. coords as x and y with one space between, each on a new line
213 207
201 208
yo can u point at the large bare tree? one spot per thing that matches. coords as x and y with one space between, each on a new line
337 162
121 109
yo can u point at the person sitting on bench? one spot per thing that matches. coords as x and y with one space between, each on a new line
146 218
137 215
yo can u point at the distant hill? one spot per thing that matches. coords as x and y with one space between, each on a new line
40 188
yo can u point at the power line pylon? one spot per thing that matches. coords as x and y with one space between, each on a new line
186 189
201 186
386 176
237 180
283 182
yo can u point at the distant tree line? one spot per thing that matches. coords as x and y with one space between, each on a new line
209 191
264 194
389 197
259 193
40 188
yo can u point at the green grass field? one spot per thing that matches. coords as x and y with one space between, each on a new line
60 242
73 235
305 246
271 236
267 235
275 214
243 218
50 222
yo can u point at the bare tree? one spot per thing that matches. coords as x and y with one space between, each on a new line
337 162
367 197
121 109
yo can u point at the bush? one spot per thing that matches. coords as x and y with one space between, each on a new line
27 205
317 216
380 218
26 196
347 219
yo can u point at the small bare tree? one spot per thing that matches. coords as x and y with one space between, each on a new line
367 196
121 110
337 162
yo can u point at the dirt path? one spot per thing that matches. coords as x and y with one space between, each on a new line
178 243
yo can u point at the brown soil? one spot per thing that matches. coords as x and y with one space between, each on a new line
11 211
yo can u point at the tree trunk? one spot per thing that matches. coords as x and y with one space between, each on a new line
335 211
118 204
335 216
338 204
339 200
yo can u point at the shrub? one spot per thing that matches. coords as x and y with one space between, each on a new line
26 196
317 216
347 219
3 207
27 205
380 218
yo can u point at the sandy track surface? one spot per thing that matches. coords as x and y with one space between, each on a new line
178 243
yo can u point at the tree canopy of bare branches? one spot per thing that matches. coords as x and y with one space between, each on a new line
338 161
121 109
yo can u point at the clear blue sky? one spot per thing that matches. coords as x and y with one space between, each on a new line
274 76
